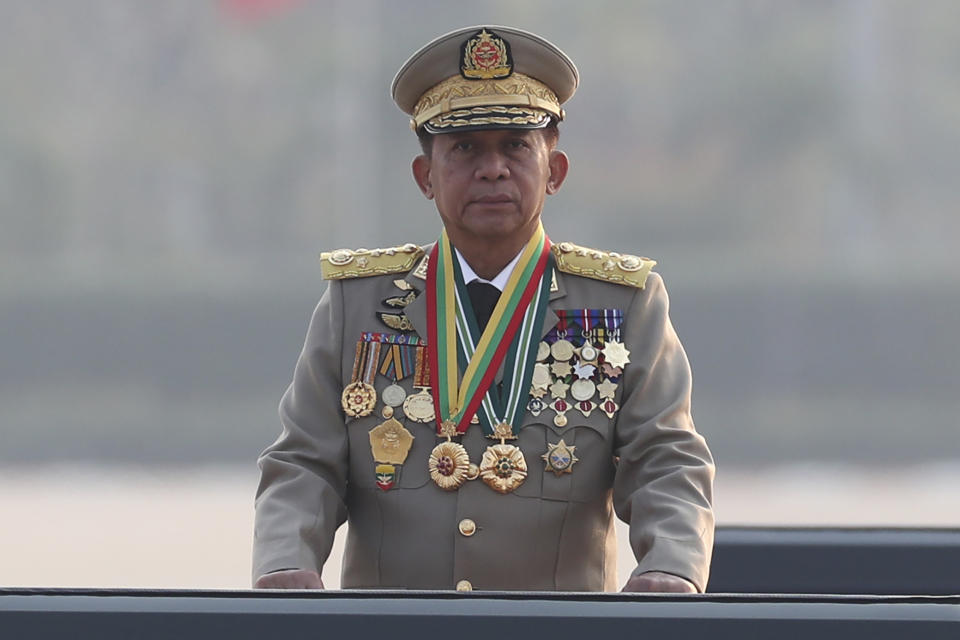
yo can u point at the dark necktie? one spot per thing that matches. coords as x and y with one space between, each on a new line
483 297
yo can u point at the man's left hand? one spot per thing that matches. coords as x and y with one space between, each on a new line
657 581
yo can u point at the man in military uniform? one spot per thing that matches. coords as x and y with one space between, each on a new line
478 409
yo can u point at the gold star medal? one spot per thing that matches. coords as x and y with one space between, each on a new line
559 458
615 354
561 369
588 354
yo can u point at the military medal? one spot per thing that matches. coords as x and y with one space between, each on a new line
582 389
584 371
543 351
453 336
541 377
561 369
586 407
607 389
390 442
561 350
395 365
419 406
503 467
359 397
559 388
560 406
449 462
615 354
588 354
609 407
559 458
536 406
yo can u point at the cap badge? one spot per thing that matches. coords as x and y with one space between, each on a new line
485 56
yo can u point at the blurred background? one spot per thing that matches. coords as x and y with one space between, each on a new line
170 171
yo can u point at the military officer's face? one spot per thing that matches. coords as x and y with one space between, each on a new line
490 184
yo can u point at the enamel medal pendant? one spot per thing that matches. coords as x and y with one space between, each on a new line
503 467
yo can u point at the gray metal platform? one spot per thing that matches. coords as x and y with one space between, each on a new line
188 615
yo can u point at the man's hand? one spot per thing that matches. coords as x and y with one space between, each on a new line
659 582
290 579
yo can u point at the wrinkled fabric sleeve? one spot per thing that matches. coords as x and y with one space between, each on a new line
303 475
664 478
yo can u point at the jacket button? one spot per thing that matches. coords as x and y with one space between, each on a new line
464 585
468 527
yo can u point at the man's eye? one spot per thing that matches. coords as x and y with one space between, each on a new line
518 143
463 146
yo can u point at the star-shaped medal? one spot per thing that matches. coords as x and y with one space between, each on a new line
560 369
583 371
559 389
612 372
559 458
588 353
616 354
606 389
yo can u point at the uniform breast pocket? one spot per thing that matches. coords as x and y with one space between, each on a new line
574 462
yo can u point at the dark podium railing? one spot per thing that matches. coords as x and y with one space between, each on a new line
757 568
836 561
196 615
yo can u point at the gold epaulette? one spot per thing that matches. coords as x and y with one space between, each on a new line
360 263
602 265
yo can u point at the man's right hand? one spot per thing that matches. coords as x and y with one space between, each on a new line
290 579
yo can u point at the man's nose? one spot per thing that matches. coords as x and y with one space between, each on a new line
492 165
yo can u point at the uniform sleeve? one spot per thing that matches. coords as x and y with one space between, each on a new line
303 475
663 485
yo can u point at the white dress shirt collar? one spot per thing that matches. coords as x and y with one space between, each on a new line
500 281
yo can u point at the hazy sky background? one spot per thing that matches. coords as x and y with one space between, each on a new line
170 170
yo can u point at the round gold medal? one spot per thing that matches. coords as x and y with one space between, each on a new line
419 407
358 399
449 465
562 350
543 351
582 389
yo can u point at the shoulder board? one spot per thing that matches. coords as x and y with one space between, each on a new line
360 263
602 265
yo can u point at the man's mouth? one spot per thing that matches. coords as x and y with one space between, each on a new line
494 199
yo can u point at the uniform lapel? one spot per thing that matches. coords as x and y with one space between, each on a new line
416 311
556 293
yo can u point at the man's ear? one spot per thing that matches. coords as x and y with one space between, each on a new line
559 165
421 175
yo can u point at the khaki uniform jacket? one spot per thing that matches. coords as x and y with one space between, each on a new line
647 464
